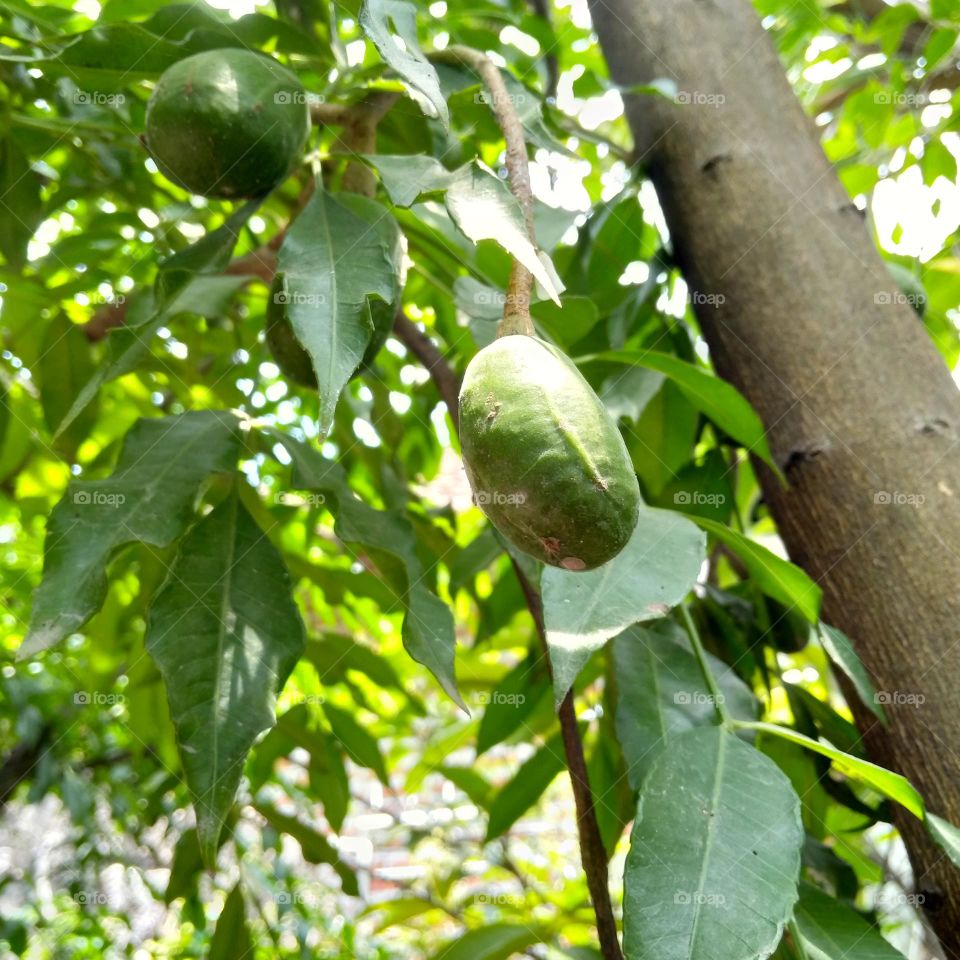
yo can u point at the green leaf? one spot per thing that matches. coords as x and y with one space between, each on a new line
840 650
886 782
714 855
511 702
661 693
427 629
582 611
149 498
946 835
313 845
409 61
185 282
833 931
361 746
341 250
429 636
483 208
409 177
521 792
496 941
66 364
716 398
778 578
231 938
20 205
225 634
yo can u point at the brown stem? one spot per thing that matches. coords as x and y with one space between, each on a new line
592 852
424 349
360 136
516 310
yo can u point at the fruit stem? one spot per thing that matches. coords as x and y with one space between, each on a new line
516 309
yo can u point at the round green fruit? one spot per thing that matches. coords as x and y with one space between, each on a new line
227 123
545 460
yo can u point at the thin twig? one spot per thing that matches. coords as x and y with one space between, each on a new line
516 310
592 851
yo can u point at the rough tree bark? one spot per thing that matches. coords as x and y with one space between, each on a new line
861 411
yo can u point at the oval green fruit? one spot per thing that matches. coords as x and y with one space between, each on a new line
227 123
545 460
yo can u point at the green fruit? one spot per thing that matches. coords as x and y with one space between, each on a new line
291 358
227 123
545 460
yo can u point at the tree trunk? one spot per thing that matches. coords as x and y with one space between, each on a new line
804 318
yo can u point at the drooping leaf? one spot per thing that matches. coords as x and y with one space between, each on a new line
427 629
890 784
149 497
655 570
523 790
225 633
841 652
376 17
714 854
946 835
720 401
483 208
231 939
661 693
429 635
315 847
778 578
340 251
832 930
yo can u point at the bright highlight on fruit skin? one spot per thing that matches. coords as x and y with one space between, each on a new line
545 460
227 123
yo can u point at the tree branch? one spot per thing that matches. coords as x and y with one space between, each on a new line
516 310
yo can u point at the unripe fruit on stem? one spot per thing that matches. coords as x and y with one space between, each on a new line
545 460
227 123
